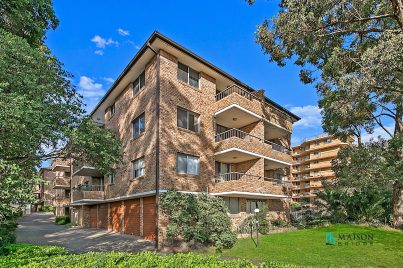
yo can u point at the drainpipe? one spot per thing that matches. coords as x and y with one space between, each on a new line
157 146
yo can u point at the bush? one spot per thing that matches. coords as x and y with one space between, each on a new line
47 208
24 255
201 218
7 234
250 223
62 220
279 223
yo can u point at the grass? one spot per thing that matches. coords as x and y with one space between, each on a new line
308 248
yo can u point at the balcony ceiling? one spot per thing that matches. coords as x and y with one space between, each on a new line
235 116
88 171
234 156
269 164
65 168
250 195
272 131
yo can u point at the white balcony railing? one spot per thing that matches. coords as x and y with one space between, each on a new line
231 176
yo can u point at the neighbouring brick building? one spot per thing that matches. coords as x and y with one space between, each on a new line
55 190
313 164
185 125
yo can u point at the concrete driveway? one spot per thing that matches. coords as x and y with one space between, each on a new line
39 228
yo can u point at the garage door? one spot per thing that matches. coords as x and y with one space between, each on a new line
149 217
116 216
132 217
93 216
103 216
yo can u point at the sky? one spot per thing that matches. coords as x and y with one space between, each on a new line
96 40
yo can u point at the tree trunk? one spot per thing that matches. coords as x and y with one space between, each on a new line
398 120
397 200
398 11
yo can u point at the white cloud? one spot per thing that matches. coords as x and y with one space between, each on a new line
109 79
310 116
89 88
378 131
123 32
99 52
102 42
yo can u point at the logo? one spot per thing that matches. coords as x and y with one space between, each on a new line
330 239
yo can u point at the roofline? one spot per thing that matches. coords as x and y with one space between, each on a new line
156 35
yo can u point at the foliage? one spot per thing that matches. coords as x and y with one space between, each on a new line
48 208
249 224
7 233
41 112
25 255
307 248
62 220
201 218
362 192
279 223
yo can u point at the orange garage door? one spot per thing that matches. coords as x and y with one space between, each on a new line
132 217
116 216
149 217
93 216
103 216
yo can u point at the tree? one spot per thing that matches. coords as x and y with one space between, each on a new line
41 115
351 50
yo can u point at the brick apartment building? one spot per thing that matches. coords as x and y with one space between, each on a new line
313 164
55 191
185 125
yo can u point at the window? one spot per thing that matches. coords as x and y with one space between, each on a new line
139 83
188 75
232 204
187 164
112 109
220 129
251 204
316 153
328 140
112 178
188 120
138 126
138 168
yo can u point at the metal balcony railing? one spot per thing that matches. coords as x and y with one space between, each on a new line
232 176
90 187
235 89
234 132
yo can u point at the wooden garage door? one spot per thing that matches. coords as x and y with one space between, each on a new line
149 217
93 216
116 216
132 217
103 216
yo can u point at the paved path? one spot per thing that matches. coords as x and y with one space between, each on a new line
39 228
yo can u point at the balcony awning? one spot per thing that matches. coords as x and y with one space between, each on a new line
235 116
250 195
236 155
58 167
88 171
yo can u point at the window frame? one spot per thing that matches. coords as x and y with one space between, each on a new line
188 113
187 164
112 109
111 178
189 70
133 126
134 171
227 200
250 201
138 82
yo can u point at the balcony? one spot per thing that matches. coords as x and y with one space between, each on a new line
249 185
88 192
61 182
235 98
86 170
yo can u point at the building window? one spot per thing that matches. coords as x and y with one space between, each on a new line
112 178
138 126
138 168
232 204
188 120
187 164
139 83
112 109
188 75
252 204
328 140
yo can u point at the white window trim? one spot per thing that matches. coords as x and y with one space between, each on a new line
186 173
132 169
138 78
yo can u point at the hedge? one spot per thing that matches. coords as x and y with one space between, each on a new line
62 220
7 234
25 255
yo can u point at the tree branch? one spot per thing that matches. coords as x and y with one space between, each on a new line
352 21
378 121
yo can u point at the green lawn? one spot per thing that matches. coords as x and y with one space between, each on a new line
308 248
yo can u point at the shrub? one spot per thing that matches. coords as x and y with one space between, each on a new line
201 218
62 220
250 223
7 234
279 223
47 208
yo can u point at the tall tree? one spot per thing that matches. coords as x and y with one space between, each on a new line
352 51
41 115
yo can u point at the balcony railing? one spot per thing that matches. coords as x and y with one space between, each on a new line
234 132
62 196
233 176
90 188
235 89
